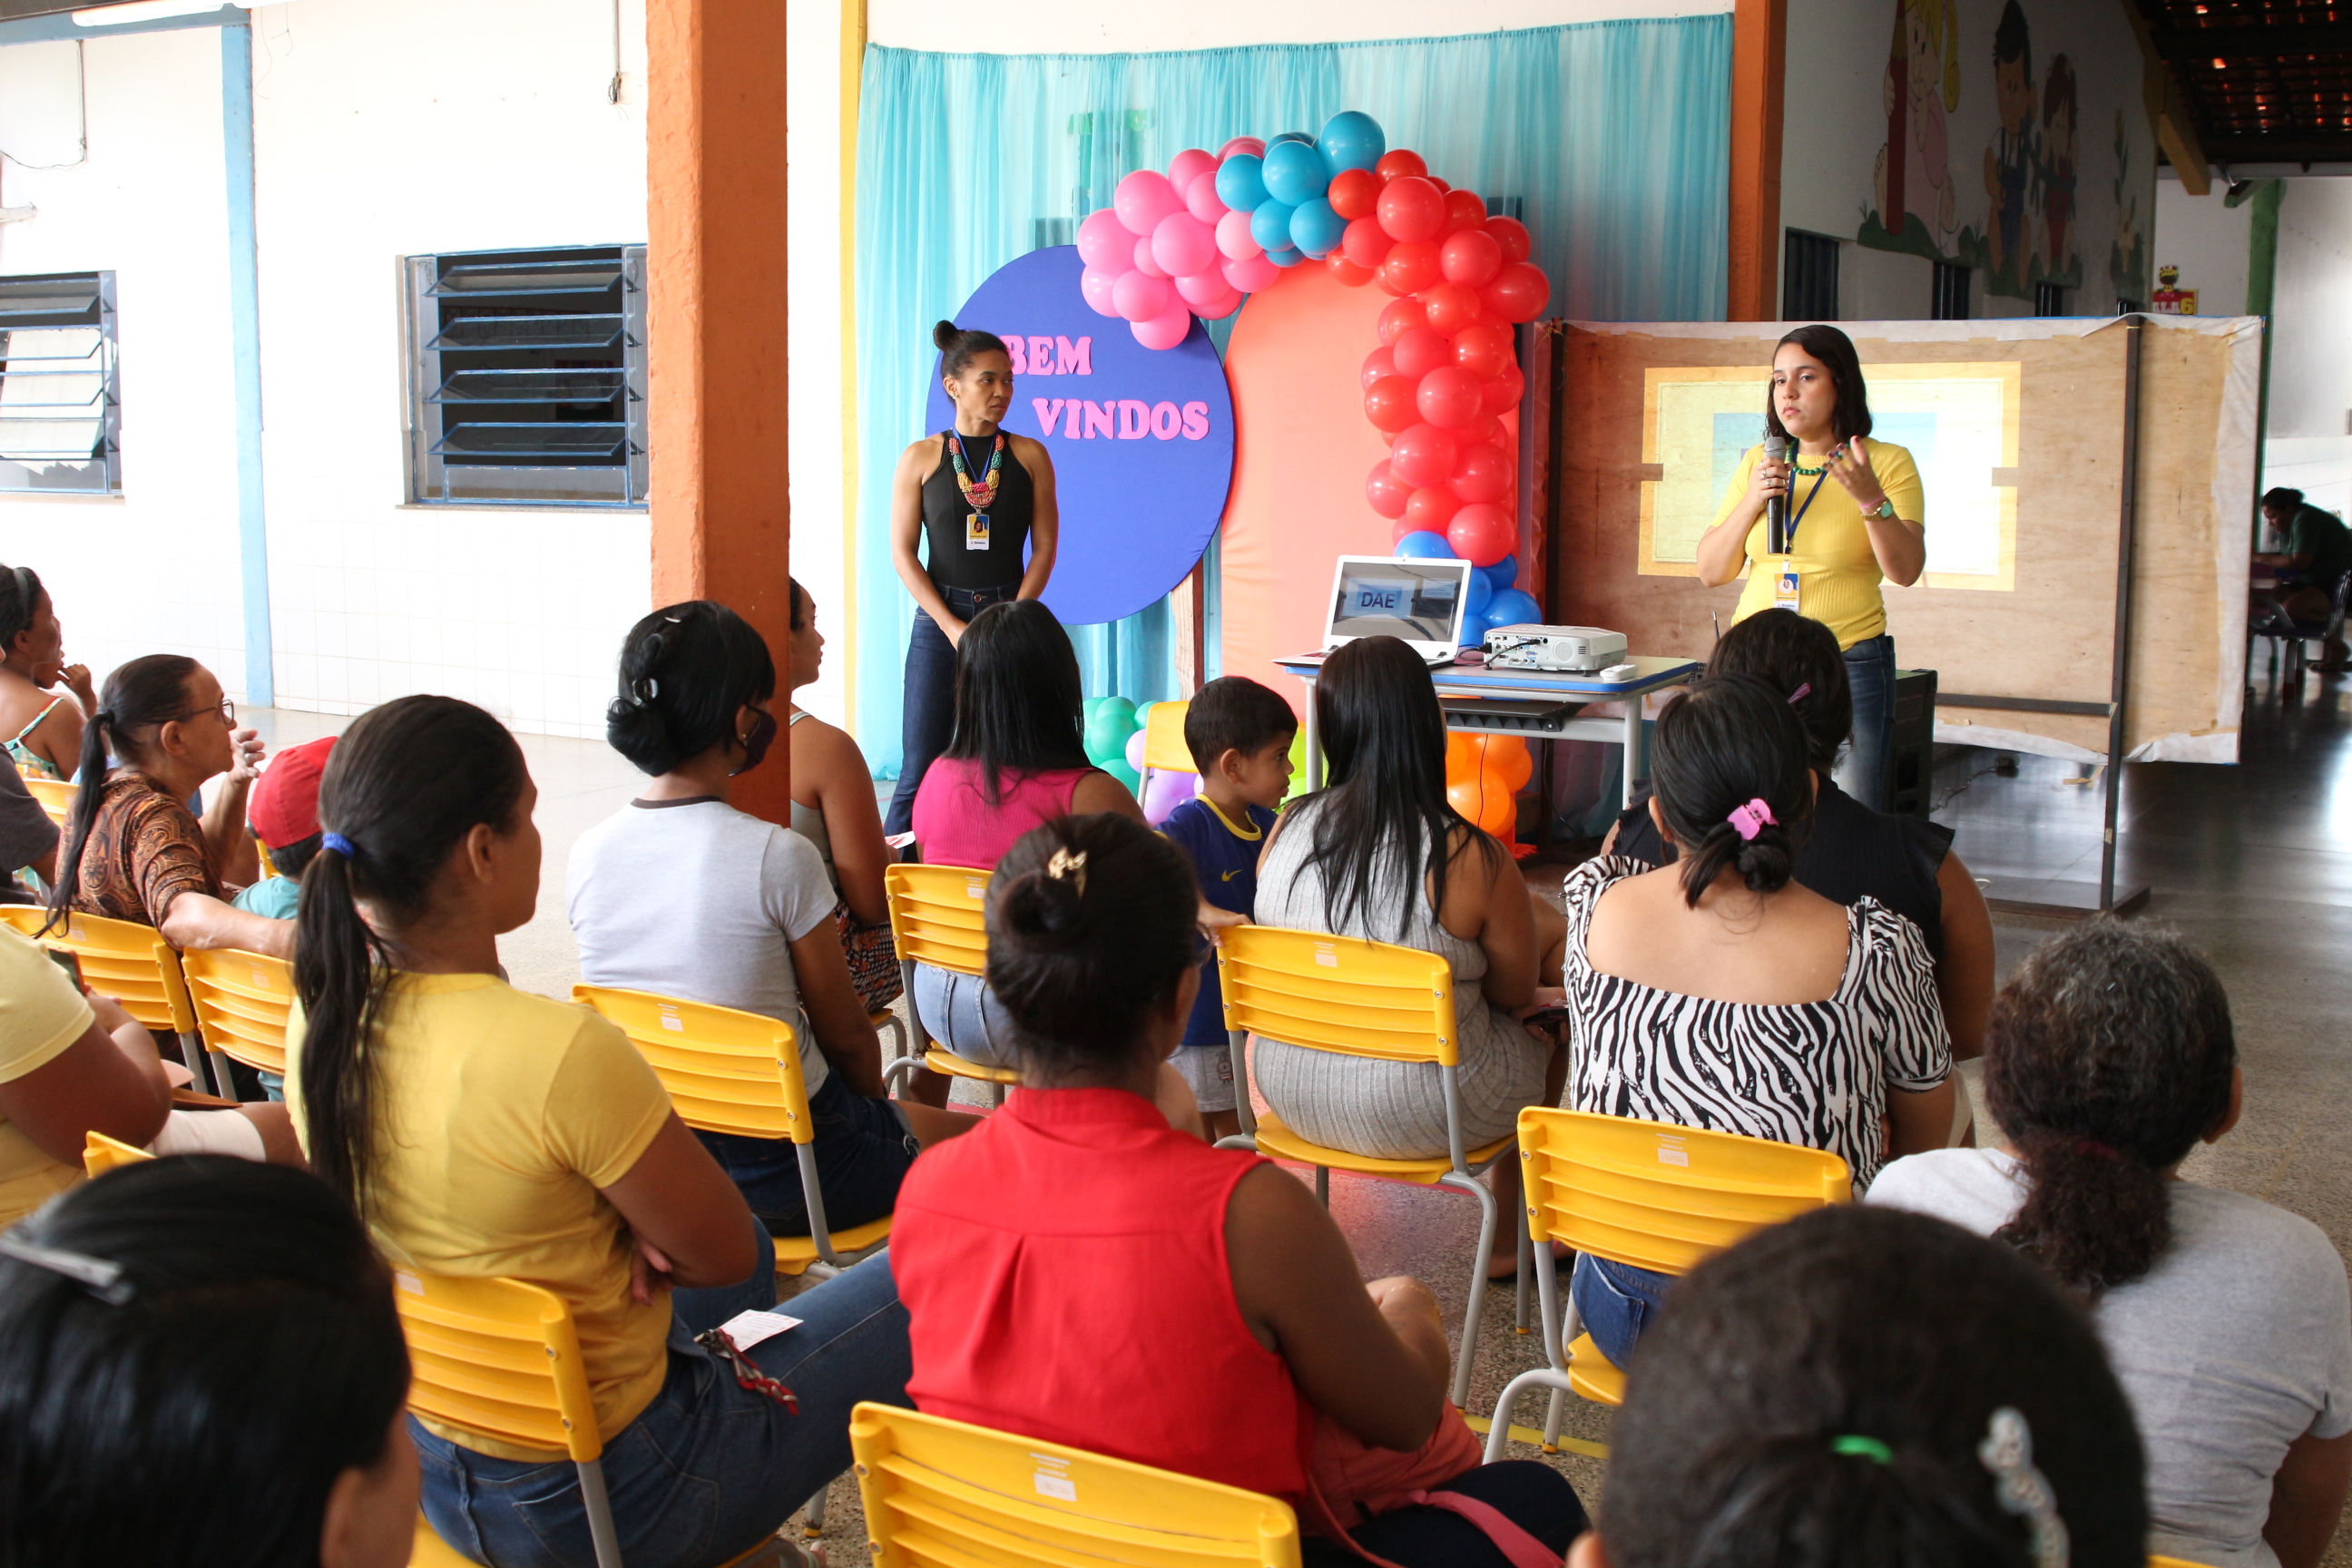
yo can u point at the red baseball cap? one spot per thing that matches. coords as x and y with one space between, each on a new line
283 807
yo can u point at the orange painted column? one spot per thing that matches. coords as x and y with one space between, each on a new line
715 228
1760 47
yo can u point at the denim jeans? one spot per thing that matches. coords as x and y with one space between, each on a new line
961 1013
863 1151
709 1467
928 720
1616 1304
1870 671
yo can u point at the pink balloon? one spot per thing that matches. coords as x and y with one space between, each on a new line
1104 242
1251 274
1200 201
1167 329
1183 243
1225 305
1202 287
1097 286
1146 262
1142 199
1234 239
1249 144
1166 791
1190 161
1140 297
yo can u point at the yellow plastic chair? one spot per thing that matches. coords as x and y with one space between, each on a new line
2172 1562
728 1071
261 854
944 1493
1359 998
100 1154
1164 751
939 916
134 964
242 1001
56 795
1650 1195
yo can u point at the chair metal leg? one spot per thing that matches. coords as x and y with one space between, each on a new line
599 1509
814 1524
191 1054
223 1084
1499 1433
1571 1325
1524 1284
1323 1186
1237 1047
1474 1314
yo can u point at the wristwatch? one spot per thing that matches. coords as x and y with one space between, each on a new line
1884 510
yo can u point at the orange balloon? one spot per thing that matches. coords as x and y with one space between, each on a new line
1487 801
1356 192
1508 755
1462 756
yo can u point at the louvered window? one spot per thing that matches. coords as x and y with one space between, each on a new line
60 416
526 377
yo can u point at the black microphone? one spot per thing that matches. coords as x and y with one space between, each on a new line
1776 508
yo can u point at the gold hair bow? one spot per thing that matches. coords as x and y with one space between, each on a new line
1065 864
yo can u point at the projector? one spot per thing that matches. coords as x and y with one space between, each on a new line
1567 650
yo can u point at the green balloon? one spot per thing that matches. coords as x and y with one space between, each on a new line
1107 728
1297 766
1117 768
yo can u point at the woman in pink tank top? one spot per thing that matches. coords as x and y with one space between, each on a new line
1077 1271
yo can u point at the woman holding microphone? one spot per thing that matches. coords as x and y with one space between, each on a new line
1856 515
980 493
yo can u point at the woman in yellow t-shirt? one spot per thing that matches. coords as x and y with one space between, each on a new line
481 1131
1856 515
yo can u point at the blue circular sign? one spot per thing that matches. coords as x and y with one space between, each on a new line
1142 439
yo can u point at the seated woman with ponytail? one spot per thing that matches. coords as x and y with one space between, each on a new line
1077 1271
483 1131
2109 1060
133 851
1717 993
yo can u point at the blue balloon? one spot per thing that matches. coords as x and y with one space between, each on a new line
1288 255
1316 229
1270 224
1424 545
1351 140
1294 173
1473 614
1290 136
1503 574
1239 185
1513 608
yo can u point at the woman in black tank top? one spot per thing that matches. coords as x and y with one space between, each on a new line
981 496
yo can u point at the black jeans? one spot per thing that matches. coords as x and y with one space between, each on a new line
929 717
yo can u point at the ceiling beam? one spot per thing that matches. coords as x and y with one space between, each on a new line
2168 113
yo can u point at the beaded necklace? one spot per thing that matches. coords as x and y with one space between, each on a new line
977 494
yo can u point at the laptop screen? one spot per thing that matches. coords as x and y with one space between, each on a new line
1415 600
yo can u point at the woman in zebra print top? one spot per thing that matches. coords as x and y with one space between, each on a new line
1718 993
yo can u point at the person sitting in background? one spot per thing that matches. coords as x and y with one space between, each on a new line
43 726
247 1303
1858 1388
2316 552
1077 1271
681 894
1239 734
133 850
1851 851
29 839
482 1131
1719 992
2111 1059
282 810
833 808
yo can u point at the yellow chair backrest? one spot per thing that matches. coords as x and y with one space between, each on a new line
125 959
497 1357
1339 993
56 795
726 1072
1164 739
1654 1195
100 1154
261 854
938 915
242 1001
943 1492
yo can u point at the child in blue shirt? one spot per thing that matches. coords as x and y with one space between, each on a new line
1239 734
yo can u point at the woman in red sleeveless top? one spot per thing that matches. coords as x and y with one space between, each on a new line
1078 1271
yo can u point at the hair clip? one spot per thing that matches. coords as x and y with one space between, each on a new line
1751 819
100 1278
1065 864
1800 694
2008 1452
1860 1447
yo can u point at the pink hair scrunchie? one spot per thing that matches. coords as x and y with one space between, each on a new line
1751 819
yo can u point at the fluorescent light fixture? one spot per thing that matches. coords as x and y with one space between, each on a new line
143 11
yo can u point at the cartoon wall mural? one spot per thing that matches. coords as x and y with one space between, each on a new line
1914 182
2060 116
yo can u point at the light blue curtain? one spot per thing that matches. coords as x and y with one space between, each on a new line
1614 136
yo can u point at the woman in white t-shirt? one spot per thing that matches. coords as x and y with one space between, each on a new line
681 894
2108 1058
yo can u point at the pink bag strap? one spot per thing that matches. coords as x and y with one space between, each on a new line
1515 1543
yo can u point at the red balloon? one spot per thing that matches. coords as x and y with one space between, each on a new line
1484 347
1482 534
1397 163
1365 244
1388 403
1411 266
1482 473
1511 235
1412 208
1482 427
1378 363
1419 352
1470 257
1518 292
1347 272
1503 392
1423 456
1447 397
1354 192
1451 306
1465 210
1386 492
1431 510
1400 318
1442 186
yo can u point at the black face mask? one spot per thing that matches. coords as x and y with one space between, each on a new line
756 743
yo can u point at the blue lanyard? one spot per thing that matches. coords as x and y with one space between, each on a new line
1790 537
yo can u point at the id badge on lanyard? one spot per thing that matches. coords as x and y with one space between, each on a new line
975 530
1785 586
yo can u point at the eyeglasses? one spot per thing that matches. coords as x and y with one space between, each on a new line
226 710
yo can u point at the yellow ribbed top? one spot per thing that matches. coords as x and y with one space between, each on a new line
1837 574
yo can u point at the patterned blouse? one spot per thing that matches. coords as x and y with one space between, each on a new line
145 849
1813 1074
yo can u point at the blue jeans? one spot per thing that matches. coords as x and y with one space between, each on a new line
961 1013
1616 1304
927 723
1870 671
709 1468
863 1151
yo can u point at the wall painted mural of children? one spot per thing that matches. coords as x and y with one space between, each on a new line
2060 116
1914 177
2009 160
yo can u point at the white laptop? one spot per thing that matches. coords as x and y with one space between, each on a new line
1416 599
